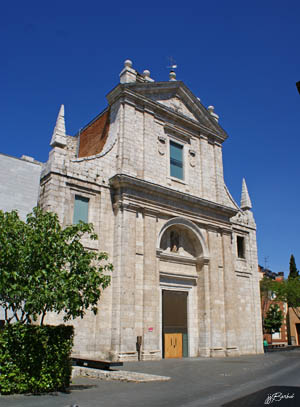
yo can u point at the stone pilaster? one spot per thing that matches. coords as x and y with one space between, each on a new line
139 274
151 172
103 329
204 317
53 195
127 289
208 170
230 297
219 173
129 146
116 283
218 342
258 334
151 301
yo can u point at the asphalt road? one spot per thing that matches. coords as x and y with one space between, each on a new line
195 382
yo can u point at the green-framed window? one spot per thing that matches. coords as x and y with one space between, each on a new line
81 209
176 160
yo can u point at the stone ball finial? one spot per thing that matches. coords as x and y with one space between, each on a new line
172 76
211 110
146 73
128 63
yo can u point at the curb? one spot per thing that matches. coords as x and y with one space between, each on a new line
123 376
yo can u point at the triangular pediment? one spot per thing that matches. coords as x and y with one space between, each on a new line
173 102
177 97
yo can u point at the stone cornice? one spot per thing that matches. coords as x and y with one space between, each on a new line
71 179
150 208
188 277
128 185
171 128
177 258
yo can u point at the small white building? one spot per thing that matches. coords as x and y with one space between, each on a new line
19 187
19 184
148 173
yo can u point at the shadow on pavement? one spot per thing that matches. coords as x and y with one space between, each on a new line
280 396
69 390
80 387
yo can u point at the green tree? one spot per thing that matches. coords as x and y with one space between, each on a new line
293 269
289 292
273 319
45 268
266 286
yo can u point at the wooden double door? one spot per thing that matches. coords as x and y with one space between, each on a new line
174 312
173 345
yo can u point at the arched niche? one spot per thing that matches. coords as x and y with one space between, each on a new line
182 239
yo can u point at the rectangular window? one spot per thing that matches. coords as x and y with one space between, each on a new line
240 241
176 160
81 209
276 335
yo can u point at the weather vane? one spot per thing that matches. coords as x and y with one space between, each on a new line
172 64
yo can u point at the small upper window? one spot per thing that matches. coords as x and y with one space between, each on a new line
176 160
240 241
81 209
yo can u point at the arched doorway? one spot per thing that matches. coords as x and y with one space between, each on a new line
181 251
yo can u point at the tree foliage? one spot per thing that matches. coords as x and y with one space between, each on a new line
266 285
289 292
293 269
273 319
45 268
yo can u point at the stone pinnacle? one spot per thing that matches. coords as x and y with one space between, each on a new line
245 199
59 132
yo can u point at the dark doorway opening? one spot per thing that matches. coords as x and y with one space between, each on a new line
174 324
298 333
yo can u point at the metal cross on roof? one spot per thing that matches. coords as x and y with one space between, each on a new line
172 64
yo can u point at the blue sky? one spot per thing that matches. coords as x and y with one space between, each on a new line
240 56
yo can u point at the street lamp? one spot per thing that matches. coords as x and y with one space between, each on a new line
298 86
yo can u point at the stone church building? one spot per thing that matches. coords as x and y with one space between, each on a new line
148 173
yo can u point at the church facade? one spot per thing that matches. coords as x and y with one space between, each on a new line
148 173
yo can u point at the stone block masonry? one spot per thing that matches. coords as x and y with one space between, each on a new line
182 233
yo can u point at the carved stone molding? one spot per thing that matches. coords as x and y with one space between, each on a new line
182 277
192 157
177 258
162 145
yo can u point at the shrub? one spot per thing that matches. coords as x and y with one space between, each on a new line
35 359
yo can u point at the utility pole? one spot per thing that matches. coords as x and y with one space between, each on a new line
266 261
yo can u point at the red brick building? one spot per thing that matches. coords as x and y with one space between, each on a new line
294 323
279 338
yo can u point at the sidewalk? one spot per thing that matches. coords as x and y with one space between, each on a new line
194 382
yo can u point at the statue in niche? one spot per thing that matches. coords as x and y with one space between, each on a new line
174 238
